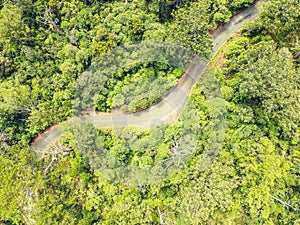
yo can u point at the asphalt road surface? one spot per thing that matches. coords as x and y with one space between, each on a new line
168 109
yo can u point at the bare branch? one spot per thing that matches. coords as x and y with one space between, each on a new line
72 38
49 20
178 152
161 216
285 203
50 164
29 208
139 186
53 152
3 140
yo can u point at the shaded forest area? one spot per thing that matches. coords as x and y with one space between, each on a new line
254 178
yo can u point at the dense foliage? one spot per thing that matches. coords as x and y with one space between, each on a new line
254 178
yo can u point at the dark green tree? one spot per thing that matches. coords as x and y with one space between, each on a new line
190 28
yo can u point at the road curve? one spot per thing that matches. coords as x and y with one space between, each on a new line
167 110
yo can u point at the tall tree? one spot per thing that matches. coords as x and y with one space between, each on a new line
13 29
190 28
269 83
281 19
17 185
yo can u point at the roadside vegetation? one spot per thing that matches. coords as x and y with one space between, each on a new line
253 178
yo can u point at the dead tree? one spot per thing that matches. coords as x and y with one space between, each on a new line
49 20
3 139
178 153
29 208
53 152
164 219
5 67
74 40
284 203
161 216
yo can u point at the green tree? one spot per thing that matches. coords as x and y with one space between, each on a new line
13 30
18 183
190 28
281 19
269 83
208 199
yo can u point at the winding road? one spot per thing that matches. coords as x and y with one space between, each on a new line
167 110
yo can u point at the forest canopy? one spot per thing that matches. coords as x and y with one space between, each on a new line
149 176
